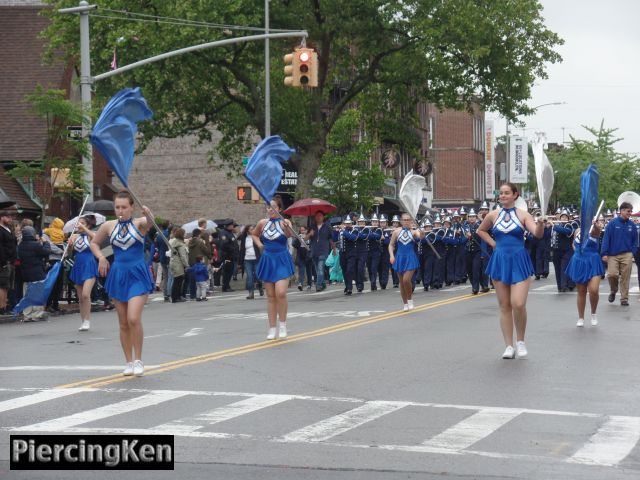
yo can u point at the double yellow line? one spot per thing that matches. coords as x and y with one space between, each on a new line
209 357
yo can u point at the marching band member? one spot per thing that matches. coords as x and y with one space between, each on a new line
395 223
561 240
129 281
474 255
510 266
441 248
542 250
451 241
385 265
84 271
373 248
460 265
348 241
275 266
405 260
428 256
585 269
361 251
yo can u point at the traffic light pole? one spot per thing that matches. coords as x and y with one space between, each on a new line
86 80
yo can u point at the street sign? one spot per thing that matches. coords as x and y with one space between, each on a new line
74 132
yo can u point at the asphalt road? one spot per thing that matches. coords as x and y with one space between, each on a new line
359 389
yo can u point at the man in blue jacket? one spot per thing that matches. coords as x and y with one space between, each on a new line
619 245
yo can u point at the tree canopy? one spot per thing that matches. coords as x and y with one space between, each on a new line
619 172
384 54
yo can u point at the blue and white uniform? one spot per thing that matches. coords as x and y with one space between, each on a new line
405 257
510 262
129 275
586 263
275 262
85 265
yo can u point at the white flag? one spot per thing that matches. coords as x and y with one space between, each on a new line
544 172
411 192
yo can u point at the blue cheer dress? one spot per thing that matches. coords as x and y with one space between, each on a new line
510 262
586 263
405 257
85 265
129 275
275 262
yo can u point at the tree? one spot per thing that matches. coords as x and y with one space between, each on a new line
344 177
385 53
618 171
60 165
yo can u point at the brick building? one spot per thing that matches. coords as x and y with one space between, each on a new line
23 136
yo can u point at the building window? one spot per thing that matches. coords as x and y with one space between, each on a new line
431 135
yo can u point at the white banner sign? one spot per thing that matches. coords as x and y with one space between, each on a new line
489 161
518 159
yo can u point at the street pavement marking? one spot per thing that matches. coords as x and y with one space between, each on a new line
336 425
126 406
222 414
608 447
102 381
613 441
39 397
20 368
193 332
471 430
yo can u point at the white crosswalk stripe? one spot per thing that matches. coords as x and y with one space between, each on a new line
616 439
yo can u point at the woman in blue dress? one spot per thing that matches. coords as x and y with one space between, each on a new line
510 265
585 269
404 261
84 271
129 280
275 266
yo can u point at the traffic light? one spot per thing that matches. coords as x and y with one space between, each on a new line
244 194
301 68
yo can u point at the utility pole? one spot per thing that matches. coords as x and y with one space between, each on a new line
267 77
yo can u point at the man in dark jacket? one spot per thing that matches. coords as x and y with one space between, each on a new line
7 256
229 251
321 243
33 253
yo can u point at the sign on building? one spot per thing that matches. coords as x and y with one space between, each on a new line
489 161
518 159
289 180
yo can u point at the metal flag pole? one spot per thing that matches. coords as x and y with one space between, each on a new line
164 239
66 249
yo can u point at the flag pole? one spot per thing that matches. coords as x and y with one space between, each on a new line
162 236
66 249
428 242
302 241
597 215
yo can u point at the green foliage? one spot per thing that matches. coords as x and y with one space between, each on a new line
384 55
62 154
345 177
619 172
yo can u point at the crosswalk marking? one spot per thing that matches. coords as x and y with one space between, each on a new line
221 414
616 441
613 441
39 397
330 427
472 429
126 406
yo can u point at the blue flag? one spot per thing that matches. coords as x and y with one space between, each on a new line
115 131
589 180
38 292
264 168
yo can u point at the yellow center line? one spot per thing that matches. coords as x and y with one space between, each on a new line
208 357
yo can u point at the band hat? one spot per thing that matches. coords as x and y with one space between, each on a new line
484 206
395 218
374 218
472 213
383 218
362 218
462 211
347 219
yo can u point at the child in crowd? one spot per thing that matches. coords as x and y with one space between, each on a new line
201 274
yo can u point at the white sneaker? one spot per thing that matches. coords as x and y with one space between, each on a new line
282 333
406 307
410 304
128 370
85 326
521 350
594 320
138 368
580 322
272 333
509 353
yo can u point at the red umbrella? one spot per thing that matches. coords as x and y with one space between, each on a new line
309 206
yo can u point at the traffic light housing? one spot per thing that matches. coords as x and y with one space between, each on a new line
301 68
244 194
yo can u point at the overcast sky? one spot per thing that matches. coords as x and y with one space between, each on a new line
599 77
